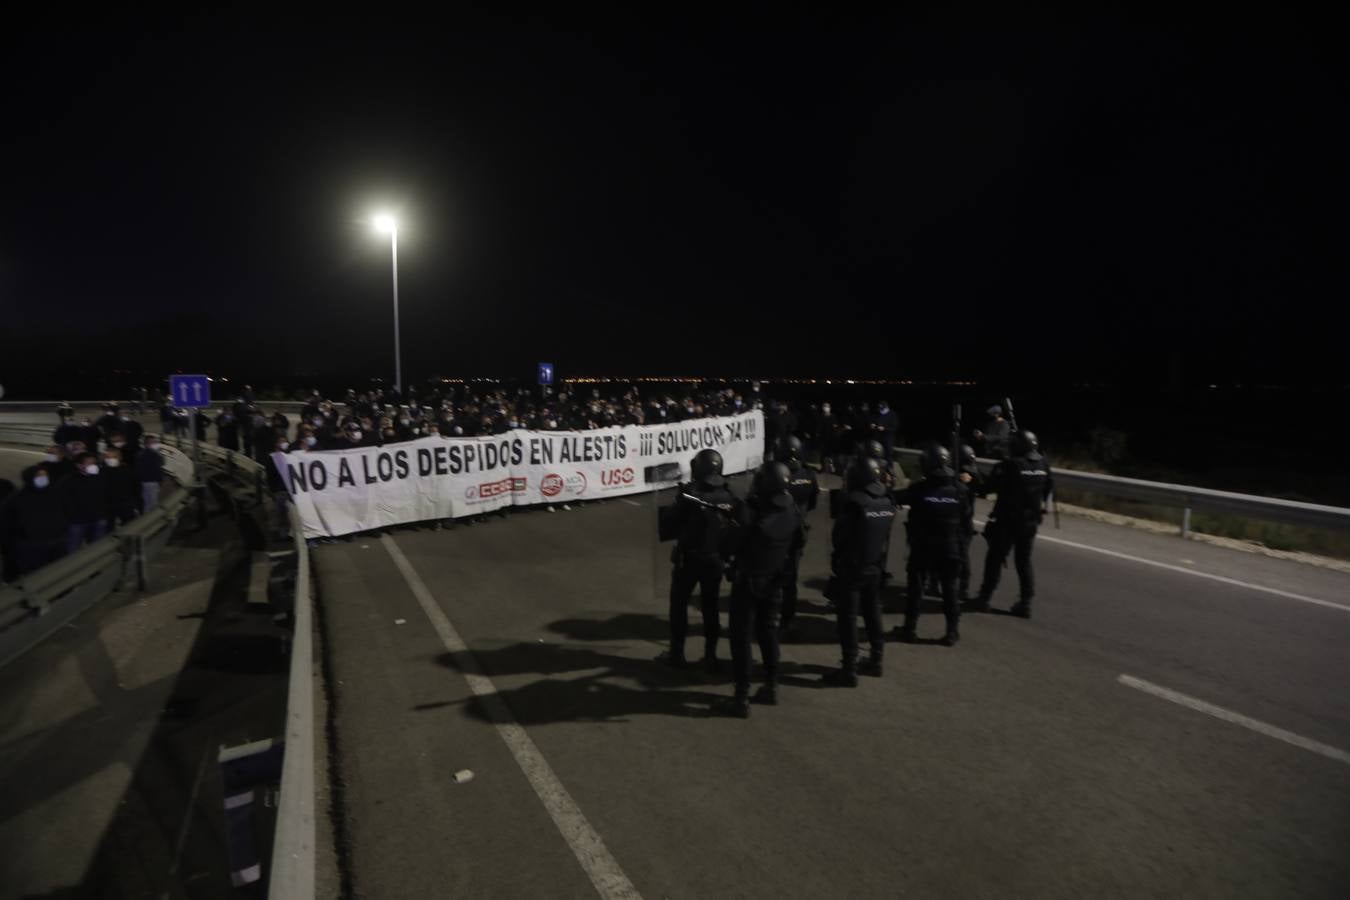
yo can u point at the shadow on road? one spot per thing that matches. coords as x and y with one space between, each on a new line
598 696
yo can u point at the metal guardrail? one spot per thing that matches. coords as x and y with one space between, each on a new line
1189 497
293 858
42 602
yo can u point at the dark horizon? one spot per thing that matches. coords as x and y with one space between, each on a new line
812 195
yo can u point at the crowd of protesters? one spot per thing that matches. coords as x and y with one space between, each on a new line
101 473
95 476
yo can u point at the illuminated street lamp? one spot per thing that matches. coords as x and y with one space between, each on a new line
387 224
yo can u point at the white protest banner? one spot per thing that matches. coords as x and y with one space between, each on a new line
341 491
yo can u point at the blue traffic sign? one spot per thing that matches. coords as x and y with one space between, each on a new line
190 390
546 374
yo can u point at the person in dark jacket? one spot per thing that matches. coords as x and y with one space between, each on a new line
939 506
883 427
996 435
771 535
805 491
107 423
703 519
862 534
54 461
130 432
84 500
149 469
68 431
123 489
227 430
1022 484
35 519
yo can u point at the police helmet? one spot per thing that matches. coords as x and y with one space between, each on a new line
771 479
937 460
875 450
967 455
1025 443
790 450
706 468
864 472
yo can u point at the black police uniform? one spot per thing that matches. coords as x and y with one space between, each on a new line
939 507
704 516
862 533
1022 484
805 491
772 536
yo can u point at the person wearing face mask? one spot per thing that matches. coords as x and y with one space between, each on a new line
55 462
149 468
84 500
36 523
123 490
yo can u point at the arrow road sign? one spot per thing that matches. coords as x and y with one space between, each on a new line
190 391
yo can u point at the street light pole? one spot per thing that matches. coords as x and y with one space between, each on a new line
384 222
398 356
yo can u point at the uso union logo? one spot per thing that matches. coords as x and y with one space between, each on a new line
614 478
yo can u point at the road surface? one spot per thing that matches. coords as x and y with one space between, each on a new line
1153 731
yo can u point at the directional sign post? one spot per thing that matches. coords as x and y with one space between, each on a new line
545 378
193 392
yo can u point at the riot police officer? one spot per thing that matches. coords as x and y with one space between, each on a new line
939 506
1022 483
876 450
805 491
704 520
770 540
862 532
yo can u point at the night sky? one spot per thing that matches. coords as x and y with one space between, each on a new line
788 194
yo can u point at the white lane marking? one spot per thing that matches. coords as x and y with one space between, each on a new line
1222 579
1228 715
587 845
630 502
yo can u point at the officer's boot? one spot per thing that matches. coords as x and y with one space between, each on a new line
953 631
870 666
980 603
710 659
739 706
767 695
845 676
1022 608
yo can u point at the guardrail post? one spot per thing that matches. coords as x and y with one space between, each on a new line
1186 519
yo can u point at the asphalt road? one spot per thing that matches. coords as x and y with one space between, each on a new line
1016 764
